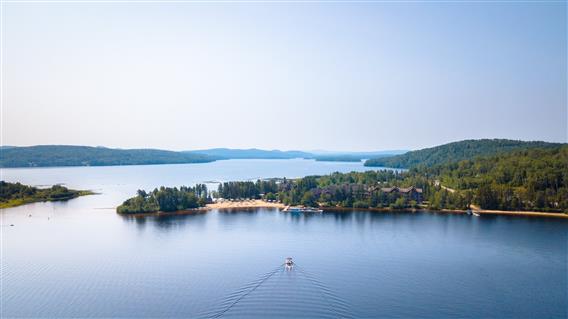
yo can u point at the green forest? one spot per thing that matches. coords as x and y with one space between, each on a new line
530 179
15 194
454 152
166 199
247 189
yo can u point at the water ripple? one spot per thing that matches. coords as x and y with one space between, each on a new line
279 293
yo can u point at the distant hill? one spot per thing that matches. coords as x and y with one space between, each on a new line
324 156
69 155
66 155
370 154
526 179
338 158
455 151
252 153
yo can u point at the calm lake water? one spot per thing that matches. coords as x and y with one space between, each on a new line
80 259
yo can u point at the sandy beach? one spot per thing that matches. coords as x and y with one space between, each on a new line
521 213
479 210
256 203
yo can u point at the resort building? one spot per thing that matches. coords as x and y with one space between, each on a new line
412 193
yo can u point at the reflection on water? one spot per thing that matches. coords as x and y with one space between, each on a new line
166 221
359 264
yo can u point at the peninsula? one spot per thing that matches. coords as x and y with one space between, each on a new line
16 194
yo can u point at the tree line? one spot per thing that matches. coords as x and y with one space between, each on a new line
355 189
166 199
531 179
528 179
246 189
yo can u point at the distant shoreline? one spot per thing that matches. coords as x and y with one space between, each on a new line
83 156
174 163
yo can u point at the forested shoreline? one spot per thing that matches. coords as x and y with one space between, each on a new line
531 179
16 194
527 180
534 179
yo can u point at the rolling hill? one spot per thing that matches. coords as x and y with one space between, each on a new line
252 153
454 152
67 155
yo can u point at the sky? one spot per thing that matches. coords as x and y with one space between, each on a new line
308 76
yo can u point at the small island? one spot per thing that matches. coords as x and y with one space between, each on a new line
339 158
16 194
166 199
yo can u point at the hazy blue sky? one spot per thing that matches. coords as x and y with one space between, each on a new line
341 76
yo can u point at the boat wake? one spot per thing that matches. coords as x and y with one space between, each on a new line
284 291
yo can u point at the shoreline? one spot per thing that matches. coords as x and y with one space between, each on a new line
26 200
520 213
261 204
451 211
257 204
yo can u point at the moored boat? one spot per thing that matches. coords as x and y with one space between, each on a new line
300 209
471 212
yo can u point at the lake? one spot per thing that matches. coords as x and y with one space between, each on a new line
80 259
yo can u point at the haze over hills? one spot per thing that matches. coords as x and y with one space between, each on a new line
251 153
361 154
456 151
70 155
254 153
330 156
